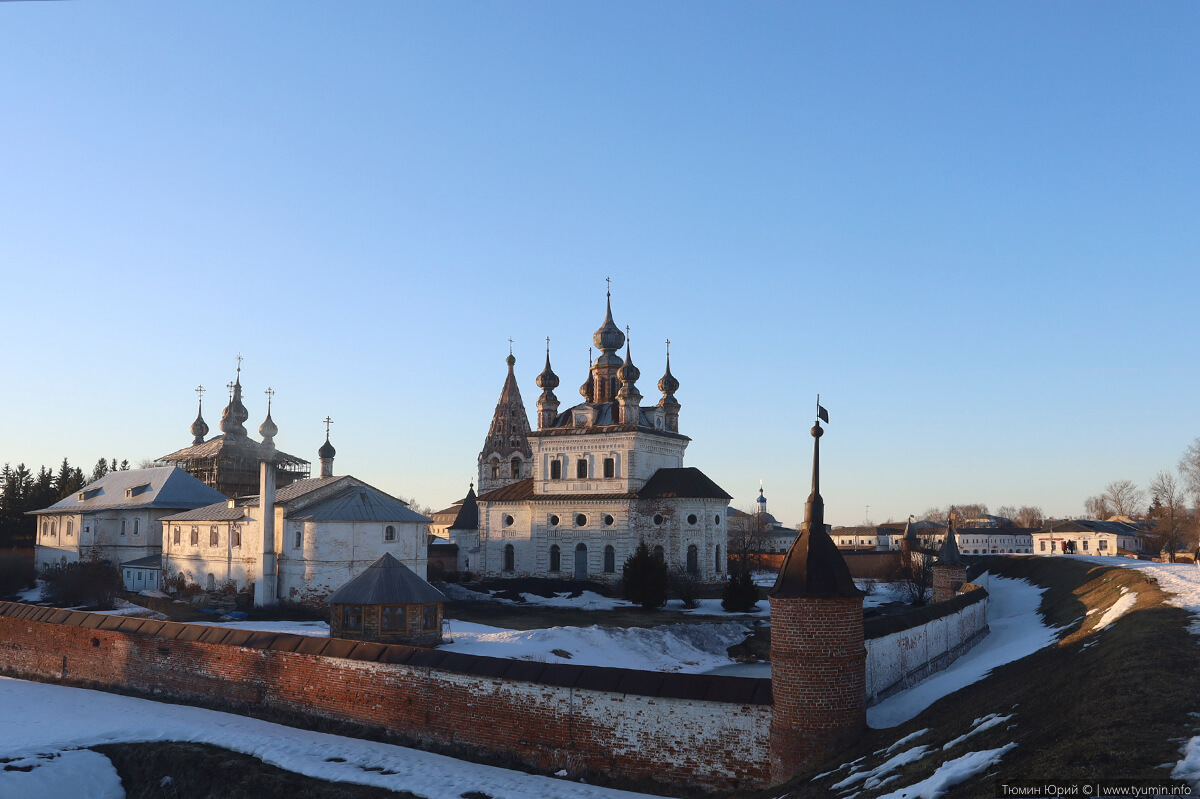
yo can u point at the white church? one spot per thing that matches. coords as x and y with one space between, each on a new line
575 497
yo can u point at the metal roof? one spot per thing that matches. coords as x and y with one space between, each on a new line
158 487
148 562
359 503
387 581
687 481
243 445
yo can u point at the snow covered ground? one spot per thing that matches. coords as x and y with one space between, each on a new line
1017 630
689 648
45 726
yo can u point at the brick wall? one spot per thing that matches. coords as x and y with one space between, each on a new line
947 580
709 731
817 680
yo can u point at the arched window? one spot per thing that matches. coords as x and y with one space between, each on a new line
555 558
555 469
54 529
581 564
495 470
175 531
137 523
510 558
610 560
214 538
693 560
389 533
717 559
45 529
659 555
212 581
195 535
515 465
70 527
122 527
235 535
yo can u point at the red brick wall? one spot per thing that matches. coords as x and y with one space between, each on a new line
818 680
715 744
947 580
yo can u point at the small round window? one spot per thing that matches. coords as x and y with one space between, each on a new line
716 520
553 520
608 520
658 518
580 520
691 518
508 520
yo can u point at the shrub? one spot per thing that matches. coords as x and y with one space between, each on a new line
687 588
741 594
16 573
644 579
84 583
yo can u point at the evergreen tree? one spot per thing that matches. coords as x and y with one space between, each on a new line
741 594
99 470
644 579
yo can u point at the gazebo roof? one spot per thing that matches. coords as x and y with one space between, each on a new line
387 581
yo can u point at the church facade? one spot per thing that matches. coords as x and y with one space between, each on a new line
603 475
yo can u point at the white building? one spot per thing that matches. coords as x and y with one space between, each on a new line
605 474
116 518
1087 537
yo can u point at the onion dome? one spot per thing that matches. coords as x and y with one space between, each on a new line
268 429
609 337
588 388
326 450
628 373
762 501
547 379
199 427
667 384
233 418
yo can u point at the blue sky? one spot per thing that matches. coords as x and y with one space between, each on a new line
971 227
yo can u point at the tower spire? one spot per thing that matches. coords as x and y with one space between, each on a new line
326 452
547 404
233 418
668 385
199 427
506 456
268 428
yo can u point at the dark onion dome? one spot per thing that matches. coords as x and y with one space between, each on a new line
510 360
667 384
609 337
233 418
268 429
628 373
547 379
587 388
326 450
199 428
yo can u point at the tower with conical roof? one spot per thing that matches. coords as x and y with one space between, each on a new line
669 406
506 457
950 572
547 404
818 658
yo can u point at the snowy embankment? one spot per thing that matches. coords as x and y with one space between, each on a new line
1182 582
1016 629
44 726
687 648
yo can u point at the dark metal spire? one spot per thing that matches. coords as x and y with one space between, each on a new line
949 554
813 566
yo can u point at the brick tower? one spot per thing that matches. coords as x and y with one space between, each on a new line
949 573
506 456
818 660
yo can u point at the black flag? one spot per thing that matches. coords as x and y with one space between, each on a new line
822 414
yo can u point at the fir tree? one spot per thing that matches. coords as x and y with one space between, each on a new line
644 579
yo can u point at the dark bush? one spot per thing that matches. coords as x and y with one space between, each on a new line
16 573
644 579
741 594
84 583
687 588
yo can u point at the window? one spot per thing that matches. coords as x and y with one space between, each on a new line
195 535
555 558
658 519
607 519
352 617
581 469
692 518
717 560
45 529
1043 546
510 558
70 527
136 525
508 520
553 520
235 535
610 467
659 555
391 618
555 470
1085 545
299 537
495 470
175 533
580 520
610 560
54 529
1101 544
693 560
214 537
431 618
389 533
717 520
128 574
516 467
122 527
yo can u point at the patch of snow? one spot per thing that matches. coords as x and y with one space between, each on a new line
1017 630
692 648
33 595
872 777
978 726
41 719
907 738
78 773
1118 609
316 629
951 773
712 607
588 600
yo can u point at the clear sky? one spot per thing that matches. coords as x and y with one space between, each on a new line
971 227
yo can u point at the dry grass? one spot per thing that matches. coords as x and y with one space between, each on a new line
1116 703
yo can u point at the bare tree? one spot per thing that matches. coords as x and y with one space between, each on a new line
1171 530
1124 497
1189 470
1097 507
1007 512
1029 516
747 542
916 577
936 514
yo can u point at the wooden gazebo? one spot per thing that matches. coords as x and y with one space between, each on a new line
389 603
